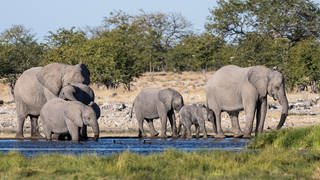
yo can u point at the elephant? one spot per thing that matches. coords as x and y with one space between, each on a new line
83 93
153 103
194 114
37 85
233 89
59 116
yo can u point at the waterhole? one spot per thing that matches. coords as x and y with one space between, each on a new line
108 146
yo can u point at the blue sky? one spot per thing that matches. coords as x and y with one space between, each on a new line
42 16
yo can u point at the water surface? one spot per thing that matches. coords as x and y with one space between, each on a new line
107 146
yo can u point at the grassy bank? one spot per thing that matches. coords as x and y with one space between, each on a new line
285 154
268 163
300 138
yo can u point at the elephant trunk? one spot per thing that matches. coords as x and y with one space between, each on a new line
95 129
284 103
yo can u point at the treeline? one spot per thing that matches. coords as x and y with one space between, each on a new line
281 34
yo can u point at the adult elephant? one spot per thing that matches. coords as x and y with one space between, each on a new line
152 103
233 89
38 85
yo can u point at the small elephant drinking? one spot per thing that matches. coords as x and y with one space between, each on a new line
61 117
83 93
153 103
194 114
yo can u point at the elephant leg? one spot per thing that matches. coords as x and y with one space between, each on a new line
74 132
184 131
188 129
220 133
235 124
197 130
163 119
151 127
203 128
35 127
261 115
47 133
250 112
84 134
140 120
172 120
21 119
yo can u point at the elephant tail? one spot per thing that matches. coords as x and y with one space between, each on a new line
131 110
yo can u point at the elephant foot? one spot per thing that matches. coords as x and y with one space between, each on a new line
219 136
36 136
154 134
19 136
175 135
163 136
237 135
189 137
247 136
205 136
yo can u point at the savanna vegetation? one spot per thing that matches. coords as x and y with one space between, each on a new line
285 154
251 32
284 34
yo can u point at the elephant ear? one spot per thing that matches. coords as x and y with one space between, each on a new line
50 77
74 113
95 108
166 97
258 77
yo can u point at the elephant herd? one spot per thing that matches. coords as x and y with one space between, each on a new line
59 96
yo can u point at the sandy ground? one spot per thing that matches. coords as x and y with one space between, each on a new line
115 121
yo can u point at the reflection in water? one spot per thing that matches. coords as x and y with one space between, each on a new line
107 146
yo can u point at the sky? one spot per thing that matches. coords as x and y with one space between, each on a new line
42 16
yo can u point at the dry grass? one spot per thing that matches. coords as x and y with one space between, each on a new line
189 84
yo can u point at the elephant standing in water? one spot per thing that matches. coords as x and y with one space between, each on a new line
37 85
83 93
152 103
233 89
195 114
59 116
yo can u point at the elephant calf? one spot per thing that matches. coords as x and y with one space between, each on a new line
194 114
61 117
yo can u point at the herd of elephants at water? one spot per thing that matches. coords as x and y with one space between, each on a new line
58 95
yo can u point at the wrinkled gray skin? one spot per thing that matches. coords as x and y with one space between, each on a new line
153 103
60 117
83 93
233 89
38 85
194 114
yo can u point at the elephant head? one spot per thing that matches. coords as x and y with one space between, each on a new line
270 82
56 76
171 99
81 114
77 92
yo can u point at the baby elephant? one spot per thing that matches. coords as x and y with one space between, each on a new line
194 114
61 117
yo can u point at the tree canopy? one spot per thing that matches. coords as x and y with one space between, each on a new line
282 34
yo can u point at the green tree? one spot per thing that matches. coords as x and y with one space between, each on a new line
19 51
294 19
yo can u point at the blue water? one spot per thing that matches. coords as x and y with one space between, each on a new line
108 146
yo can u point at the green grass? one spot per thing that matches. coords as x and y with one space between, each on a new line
285 154
300 138
269 163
